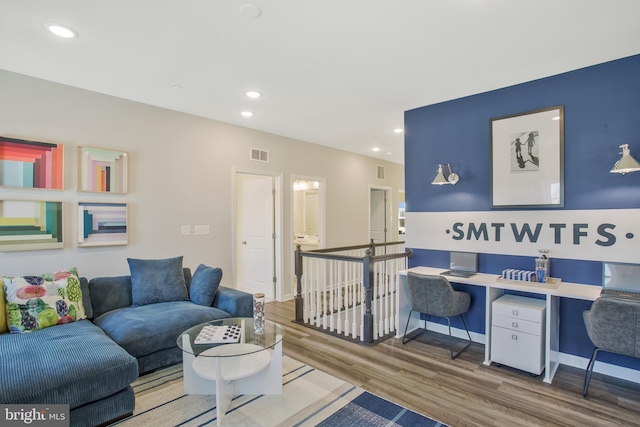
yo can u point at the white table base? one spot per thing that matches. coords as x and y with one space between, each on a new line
256 373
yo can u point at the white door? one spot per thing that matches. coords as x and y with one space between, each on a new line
256 264
378 216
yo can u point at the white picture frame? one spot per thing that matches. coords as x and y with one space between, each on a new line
527 159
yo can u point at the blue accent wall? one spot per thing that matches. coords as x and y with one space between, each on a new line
601 112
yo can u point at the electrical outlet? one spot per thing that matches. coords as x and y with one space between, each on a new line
201 230
186 230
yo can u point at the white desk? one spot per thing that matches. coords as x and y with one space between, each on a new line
494 290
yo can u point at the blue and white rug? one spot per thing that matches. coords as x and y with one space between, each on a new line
310 398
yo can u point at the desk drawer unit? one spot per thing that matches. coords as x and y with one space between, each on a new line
517 332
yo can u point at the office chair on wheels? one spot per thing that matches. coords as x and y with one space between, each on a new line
434 295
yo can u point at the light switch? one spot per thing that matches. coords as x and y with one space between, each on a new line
201 230
186 230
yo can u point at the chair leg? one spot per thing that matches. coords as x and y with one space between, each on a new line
453 356
589 371
404 337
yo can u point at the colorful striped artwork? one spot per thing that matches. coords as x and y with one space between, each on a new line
103 171
30 164
30 225
102 224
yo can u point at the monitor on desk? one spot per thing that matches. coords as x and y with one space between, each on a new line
462 264
620 277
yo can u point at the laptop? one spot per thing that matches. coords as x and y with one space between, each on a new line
620 280
462 264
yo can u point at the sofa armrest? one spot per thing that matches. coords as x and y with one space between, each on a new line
236 303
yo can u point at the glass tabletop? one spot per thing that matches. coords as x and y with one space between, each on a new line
272 335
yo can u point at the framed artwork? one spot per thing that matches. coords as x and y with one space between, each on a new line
31 164
102 171
527 159
30 225
102 224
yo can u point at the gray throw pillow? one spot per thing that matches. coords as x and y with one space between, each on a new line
204 285
157 280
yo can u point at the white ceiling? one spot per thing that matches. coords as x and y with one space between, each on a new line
333 72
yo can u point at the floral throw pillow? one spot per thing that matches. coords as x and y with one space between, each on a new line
38 302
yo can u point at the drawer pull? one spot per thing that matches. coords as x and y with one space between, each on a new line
514 312
514 337
514 324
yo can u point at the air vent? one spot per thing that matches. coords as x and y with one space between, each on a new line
259 155
380 172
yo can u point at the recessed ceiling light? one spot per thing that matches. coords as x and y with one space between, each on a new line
247 113
250 11
398 130
253 94
555 118
61 31
376 149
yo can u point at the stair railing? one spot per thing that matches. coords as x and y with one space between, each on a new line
350 290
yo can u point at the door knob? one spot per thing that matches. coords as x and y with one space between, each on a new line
244 242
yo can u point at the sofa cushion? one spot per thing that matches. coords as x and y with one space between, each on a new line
149 328
157 280
38 302
204 285
70 364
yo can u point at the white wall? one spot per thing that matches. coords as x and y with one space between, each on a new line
180 174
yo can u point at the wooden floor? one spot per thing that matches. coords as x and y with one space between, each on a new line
421 376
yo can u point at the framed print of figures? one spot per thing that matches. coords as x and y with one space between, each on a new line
30 225
102 171
31 164
527 159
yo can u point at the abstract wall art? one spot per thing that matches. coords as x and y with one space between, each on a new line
31 164
102 170
30 225
102 224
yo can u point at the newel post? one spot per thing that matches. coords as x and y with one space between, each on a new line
298 298
367 279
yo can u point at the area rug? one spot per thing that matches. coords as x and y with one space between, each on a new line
309 398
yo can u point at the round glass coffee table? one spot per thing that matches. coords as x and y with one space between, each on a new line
245 362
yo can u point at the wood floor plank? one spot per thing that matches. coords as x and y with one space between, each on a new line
421 376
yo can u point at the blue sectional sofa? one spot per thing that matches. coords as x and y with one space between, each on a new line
89 364
149 332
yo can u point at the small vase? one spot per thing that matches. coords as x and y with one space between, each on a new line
258 313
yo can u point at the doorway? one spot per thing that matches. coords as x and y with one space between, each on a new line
308 198
308 201
257 248
379 214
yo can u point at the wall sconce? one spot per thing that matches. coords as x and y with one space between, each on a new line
626 162
450 178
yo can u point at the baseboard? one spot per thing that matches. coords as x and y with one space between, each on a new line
615 371
458 333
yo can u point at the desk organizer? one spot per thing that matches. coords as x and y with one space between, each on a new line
552 282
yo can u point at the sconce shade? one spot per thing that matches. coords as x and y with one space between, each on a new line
626 163
440 179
